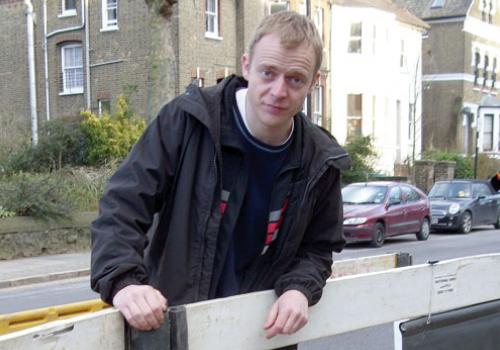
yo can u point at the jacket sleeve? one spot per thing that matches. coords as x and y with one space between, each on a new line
133 195
311 266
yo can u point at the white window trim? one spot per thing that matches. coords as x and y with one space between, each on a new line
318 107
65 12
318 21
355 37
66 91
213 35
106 25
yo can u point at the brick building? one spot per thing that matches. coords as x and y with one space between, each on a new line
461 54
87 52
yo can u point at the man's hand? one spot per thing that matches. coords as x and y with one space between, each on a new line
142 306
288 314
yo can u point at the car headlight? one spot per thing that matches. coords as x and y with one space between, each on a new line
354 221
454 208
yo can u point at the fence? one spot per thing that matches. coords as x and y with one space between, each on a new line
349 303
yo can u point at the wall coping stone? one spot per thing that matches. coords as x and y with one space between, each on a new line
29 224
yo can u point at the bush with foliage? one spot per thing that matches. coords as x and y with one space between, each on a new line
362 153
111 136
60 143
38 196
464 165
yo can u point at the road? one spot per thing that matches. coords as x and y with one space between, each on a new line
440 246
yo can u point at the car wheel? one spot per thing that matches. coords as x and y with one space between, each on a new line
466 224
378 235
497 223
425 230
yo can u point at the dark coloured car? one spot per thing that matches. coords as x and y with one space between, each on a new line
376 210
459 205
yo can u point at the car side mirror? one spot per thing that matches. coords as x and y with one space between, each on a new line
481 196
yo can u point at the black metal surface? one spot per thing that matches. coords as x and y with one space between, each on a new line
472 328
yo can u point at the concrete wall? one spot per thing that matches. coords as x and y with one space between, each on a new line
24 237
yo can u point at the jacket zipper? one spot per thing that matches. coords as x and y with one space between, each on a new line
202 248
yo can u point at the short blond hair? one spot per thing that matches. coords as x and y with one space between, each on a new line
293 30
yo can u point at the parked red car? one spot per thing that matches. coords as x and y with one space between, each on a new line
376 210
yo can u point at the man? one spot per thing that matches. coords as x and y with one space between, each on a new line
246 188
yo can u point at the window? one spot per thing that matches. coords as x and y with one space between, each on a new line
494 73
278 6
485 69
69 7
477 60
479 189
104 107
354 115
488 132
355 38
72 69
402 56
318 105
109 14
395 195
409 194
374 40
436 4
212 18
318 20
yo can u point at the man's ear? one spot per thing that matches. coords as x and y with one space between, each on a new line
245 66
314 81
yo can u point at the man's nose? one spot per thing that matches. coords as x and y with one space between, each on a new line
279 88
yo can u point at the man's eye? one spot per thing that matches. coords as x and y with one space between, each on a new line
296 81
266 74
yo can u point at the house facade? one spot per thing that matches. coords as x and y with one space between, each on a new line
461 54
83 54
376 78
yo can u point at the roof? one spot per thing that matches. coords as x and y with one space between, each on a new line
422 8
490 101
402 14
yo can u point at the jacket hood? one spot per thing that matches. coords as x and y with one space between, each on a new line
318 145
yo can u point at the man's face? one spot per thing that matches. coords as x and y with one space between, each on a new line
278 81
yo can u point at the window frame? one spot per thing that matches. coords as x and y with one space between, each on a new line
216 16
488 135
107 24
65 12
352 117
317 114
65 90
355 38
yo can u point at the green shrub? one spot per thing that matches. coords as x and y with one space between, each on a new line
14 135
60 144
84 186
38 196
464 165
362 153
111 137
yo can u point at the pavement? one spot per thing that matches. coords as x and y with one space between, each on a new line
24 271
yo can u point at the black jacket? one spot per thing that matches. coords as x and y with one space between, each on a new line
175 171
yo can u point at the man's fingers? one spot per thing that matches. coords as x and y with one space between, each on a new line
142 306
279 324
156 306
271 317
138 317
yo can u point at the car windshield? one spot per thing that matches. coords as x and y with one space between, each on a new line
363 194
451 190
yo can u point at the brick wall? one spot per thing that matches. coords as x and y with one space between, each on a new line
13 64
429 171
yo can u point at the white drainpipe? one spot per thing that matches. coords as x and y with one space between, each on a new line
46 61
87 51
31 70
